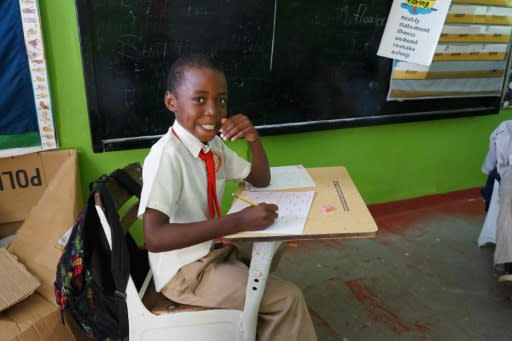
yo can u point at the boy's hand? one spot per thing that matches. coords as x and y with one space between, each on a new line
255 218
236 127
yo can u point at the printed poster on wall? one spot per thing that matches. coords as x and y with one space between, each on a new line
413 29
26 119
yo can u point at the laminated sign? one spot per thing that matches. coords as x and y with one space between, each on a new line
413 29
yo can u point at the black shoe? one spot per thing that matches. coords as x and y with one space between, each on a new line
507 274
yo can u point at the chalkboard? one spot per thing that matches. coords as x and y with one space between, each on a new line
292 66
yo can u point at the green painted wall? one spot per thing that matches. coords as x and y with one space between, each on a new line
387 162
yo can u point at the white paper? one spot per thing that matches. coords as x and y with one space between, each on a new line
63 240
455 66
481 10
292 213
285 177
412 30
472 49
468 30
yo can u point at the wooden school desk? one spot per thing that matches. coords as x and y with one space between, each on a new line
349 218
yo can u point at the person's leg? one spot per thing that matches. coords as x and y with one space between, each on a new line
218 280
283 313
221 283
506 277
503 251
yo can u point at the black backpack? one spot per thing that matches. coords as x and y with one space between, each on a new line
91 278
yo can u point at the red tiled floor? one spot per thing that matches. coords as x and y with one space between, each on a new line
398 216
422 277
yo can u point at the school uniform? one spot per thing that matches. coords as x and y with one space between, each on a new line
499 156
503 250
175 183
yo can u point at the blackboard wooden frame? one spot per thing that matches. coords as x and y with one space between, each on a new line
280 75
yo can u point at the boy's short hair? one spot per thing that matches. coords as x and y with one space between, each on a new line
176 72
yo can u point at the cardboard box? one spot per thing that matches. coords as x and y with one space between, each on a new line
23 179
18 284
40 193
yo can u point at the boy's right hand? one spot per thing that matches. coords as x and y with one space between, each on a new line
238 126
255 218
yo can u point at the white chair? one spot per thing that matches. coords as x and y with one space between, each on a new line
186 323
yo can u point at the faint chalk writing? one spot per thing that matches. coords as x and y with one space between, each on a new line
360 16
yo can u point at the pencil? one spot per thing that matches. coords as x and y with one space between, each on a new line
250 202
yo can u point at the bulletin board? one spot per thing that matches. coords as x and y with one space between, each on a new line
291 65
471 58
26 122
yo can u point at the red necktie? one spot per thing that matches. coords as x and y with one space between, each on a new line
213 203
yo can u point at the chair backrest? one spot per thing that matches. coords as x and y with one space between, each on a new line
121 194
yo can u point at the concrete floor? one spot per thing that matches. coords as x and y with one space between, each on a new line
422 278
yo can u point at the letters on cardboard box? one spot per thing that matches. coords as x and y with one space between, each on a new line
23 179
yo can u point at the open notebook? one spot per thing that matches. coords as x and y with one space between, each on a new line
293 209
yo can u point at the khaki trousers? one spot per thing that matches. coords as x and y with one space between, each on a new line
219 280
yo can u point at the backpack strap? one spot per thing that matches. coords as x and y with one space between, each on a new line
139 264
120 266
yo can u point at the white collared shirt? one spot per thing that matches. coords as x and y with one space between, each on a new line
175 183
500 150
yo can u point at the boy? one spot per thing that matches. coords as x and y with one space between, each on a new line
180 207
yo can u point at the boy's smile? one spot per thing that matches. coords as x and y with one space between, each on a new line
200 101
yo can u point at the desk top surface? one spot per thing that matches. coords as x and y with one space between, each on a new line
350 217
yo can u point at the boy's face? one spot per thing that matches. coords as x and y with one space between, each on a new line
200 102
